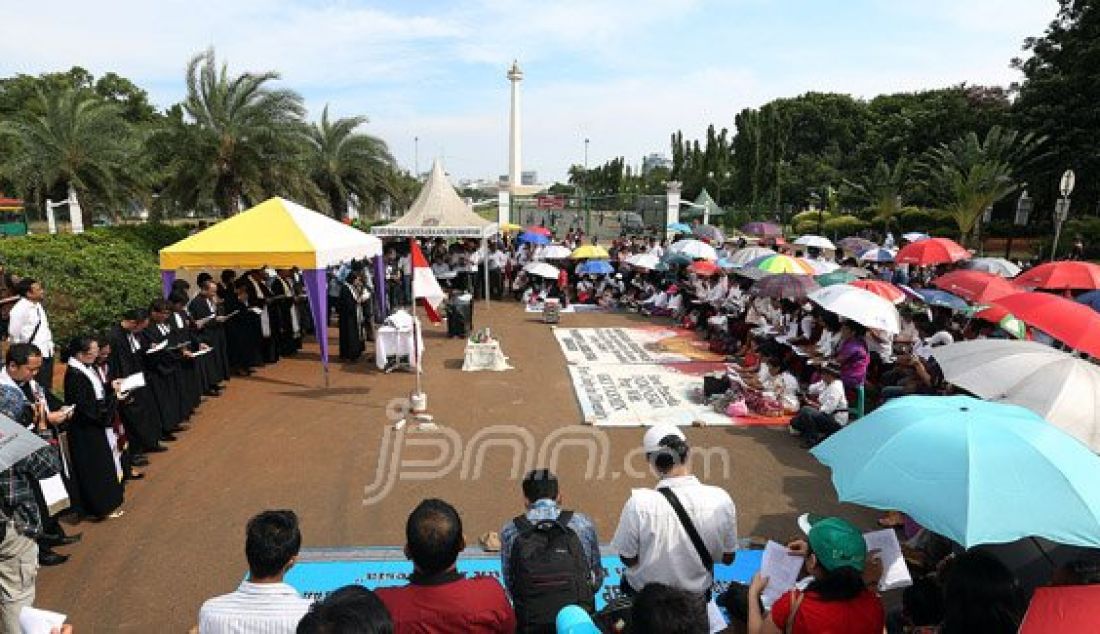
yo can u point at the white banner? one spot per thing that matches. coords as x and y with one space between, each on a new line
591 346
641 395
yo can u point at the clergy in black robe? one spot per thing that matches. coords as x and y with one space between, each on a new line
163 367
192 376
350 313
210 326
140 414
97 476
242 331
283 302
259 297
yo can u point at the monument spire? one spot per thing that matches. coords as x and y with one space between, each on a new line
515 133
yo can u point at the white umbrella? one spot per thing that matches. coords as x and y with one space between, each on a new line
643 260
553 252
821 267
694 249
863 307
996 266
915 236
1059 387
819 242
542 269
743 256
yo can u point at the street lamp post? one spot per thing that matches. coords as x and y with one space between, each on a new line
584 194
1061 208
815 199
1024 205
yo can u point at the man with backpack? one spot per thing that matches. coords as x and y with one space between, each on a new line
550 557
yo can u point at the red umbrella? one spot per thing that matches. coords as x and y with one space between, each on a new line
1076 325
976 286
1063 609
706 268
543 230
932 251
885 290
1059 275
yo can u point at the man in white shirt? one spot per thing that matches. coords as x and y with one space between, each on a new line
653 542
826 410
263 604
404 265
498 259
28 323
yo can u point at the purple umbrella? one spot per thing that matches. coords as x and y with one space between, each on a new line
763 229
785 286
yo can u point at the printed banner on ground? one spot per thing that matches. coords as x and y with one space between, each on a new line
592 346
321 571
643 395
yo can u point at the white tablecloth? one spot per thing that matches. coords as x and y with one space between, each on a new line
391 342
484 356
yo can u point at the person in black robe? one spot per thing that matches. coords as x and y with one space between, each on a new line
194 379
242 331
284 304
107 376
302 299
93 461
164 368
209 322
350 314
141 416
259 297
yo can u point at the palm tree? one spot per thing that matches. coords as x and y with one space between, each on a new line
343 162
79 142
247 137
969 175
881 190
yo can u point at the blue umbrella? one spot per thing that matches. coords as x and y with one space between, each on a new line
974 471
533 238
679 227
1090 299
877 255
724 263
933 297
595 267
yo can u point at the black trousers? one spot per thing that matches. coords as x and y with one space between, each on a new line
814 424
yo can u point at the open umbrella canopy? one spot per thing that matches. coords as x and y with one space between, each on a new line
595 267
741 257
1057 386
1061 609
877 255
1005 320
763 229
885 290
694 249
1090 299
836 277
542 269
818 242
532 237
976 286
543 230
643 261
589 251
932 251
915 236
679 227
706 268
510 227
932 297
785 286
710 233
553 252
861 306
782 264
1075 325
820 267
1066 274
974 471
996 266
855 245
751 272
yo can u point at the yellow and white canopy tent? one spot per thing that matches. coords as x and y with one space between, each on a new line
281 234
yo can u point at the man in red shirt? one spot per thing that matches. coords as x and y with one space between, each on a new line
438 599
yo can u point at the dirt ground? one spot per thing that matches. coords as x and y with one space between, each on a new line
281 440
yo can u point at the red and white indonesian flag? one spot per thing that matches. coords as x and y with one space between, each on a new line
425 287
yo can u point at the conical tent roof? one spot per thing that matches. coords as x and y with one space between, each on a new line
277 233
438 211
703 200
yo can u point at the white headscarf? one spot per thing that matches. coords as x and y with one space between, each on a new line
87 371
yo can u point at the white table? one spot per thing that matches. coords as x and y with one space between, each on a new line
393 342
484 356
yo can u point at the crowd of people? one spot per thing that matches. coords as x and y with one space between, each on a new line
123 396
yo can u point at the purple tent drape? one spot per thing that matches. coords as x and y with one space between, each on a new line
380 289
166 279
317 290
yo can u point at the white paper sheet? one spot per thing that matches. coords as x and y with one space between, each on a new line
133 382
199 353
895 573
717 621
157 347
782 570
54 494
36 621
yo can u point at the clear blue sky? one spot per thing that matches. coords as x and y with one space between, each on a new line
624 73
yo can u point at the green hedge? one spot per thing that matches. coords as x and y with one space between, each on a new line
92 277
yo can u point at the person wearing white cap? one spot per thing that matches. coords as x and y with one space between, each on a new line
674 534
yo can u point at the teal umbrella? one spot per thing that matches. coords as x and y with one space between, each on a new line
974 471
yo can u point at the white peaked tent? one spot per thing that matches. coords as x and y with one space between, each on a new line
438 212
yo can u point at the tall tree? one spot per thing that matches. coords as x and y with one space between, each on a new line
345 162
881 190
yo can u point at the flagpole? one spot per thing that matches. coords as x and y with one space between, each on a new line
416 326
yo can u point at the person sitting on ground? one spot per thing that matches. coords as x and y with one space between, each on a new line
675 533
350 610
544 545
837 599
438 598
263 602
660 609
826 408
782 385
981 595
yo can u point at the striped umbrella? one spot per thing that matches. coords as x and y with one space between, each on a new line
877 255
782 264
785 286
741 257
885 290
543 230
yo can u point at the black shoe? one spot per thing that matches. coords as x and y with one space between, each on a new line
157 449
50 558
139 461
61 540
169 437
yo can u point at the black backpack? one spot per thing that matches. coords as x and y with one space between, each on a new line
549 572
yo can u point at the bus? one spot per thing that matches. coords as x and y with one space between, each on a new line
13 217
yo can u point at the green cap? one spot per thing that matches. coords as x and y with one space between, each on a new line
837 543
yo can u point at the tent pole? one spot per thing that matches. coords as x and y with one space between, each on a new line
485 263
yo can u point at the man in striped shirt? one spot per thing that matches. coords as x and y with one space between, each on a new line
263 604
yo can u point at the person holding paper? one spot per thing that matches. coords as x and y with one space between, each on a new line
94 406
289 335
837 598
163 368
191 377
210 327
242 333
128 360
260 302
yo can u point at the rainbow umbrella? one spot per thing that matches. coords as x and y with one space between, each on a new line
782 264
